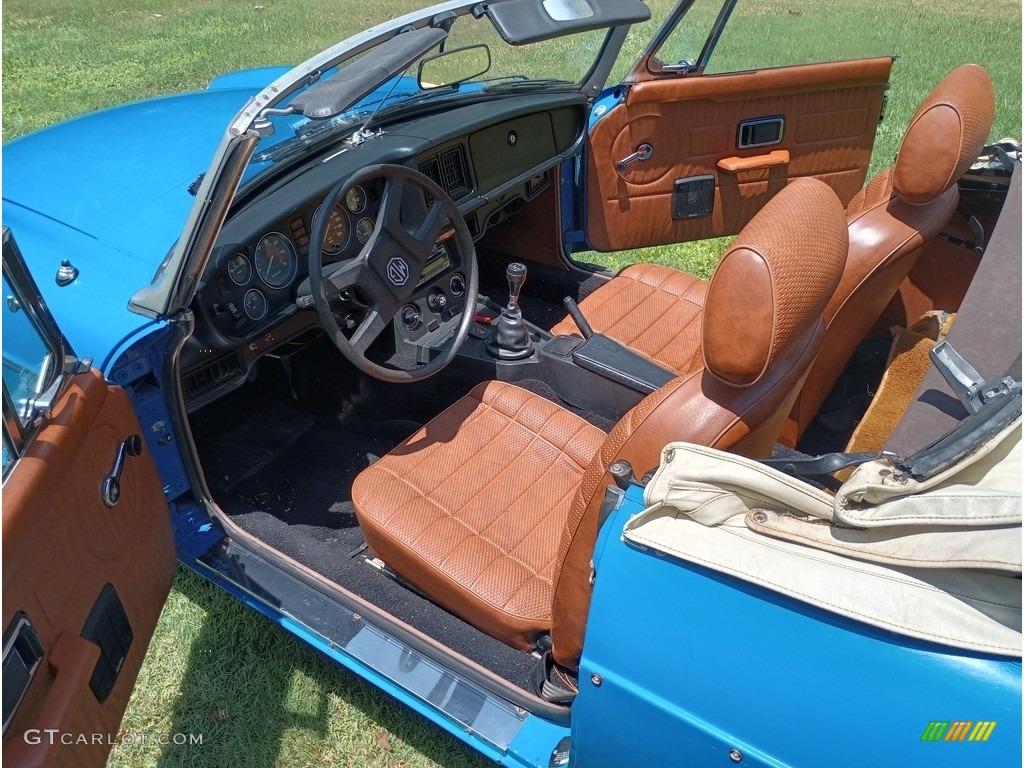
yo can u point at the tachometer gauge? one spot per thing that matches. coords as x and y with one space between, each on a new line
364 228
355 199
336 230
239 269
276 260
255 304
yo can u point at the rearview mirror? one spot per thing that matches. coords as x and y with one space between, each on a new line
453 67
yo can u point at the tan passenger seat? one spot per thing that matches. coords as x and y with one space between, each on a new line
656 310
491 508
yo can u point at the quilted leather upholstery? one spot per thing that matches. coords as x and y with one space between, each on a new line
470 509
491 509
653 310
893 217
698 408
766 290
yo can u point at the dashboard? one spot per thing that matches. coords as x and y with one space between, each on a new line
490 158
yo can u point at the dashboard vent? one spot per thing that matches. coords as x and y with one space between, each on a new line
209 376
448 169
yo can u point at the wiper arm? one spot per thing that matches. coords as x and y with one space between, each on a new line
302 139
524 84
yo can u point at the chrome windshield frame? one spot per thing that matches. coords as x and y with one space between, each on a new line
178 277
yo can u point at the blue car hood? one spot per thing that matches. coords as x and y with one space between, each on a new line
122 175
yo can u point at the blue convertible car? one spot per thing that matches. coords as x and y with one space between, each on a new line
356 370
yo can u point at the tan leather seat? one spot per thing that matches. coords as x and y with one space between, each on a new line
893 217
491 508
655 310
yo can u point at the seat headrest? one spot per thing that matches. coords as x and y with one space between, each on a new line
773 282
946 135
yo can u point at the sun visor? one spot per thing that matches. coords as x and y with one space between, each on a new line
333 96
520 22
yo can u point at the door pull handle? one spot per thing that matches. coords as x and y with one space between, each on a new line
111 492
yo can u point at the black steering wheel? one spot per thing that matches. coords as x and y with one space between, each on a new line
388 274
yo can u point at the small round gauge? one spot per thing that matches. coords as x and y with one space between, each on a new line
336 231
364 228
276 260
255 304
355 199
239 269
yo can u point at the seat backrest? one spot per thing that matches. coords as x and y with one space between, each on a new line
893 217
760 331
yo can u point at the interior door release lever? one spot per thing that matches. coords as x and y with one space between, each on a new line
111 492
643 152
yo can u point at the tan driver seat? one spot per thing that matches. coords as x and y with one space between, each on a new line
491 508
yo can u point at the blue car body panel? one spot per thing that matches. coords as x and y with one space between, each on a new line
113 210
134 163
92 311
252 80
695 663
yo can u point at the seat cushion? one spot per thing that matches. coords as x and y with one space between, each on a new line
653 310
470 509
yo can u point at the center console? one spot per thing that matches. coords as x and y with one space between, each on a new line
597 374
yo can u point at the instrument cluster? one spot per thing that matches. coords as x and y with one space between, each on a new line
256 282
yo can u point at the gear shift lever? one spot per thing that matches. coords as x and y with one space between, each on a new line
516 274
511 340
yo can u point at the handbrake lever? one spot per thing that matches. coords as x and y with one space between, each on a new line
577 315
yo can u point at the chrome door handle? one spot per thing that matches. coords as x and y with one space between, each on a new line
643 152
111 492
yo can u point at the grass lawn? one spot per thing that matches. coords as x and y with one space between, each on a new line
259 696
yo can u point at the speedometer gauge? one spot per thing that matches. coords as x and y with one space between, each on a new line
336 230
276 260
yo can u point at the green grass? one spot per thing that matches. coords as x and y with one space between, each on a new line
263 699
260 697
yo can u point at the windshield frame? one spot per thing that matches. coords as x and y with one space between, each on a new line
176 281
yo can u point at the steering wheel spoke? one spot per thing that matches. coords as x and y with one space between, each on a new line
433 223
369 330
344 275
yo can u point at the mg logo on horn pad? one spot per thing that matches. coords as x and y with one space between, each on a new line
398 271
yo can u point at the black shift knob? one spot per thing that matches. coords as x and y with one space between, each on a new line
516 274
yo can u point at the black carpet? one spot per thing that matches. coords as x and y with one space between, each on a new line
282 468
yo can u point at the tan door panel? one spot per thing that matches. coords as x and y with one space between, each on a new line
61 546
829 113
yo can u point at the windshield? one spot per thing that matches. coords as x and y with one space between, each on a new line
472 61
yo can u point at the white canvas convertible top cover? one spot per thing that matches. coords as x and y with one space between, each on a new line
938 560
